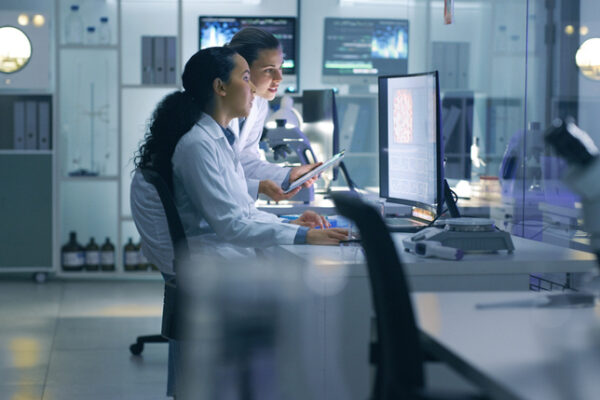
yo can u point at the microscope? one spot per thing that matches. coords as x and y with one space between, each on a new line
581 153
287 141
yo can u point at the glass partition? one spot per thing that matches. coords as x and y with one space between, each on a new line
507 69
481 59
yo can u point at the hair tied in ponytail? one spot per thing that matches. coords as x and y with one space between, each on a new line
189 95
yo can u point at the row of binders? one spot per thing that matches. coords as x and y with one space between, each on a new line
31 124
159 60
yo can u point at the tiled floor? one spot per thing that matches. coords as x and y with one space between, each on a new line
70 340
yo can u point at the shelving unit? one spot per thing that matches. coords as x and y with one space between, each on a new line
102 139
26 160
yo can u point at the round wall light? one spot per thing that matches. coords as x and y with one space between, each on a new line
23 19
15 49
588 58
38 20
569 29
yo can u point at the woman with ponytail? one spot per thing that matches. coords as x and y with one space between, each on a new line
190 145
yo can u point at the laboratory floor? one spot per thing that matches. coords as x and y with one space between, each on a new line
66 340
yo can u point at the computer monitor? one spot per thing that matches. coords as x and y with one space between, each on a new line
321 124
457 128
357 50
217 31
410 144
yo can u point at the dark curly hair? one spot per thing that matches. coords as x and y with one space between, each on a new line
177 112
249 42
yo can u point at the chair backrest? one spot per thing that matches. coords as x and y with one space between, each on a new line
181 251
181 248
399 356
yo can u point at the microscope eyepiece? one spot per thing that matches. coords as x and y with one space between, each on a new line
571 142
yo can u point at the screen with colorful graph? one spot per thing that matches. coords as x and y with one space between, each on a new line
360 46
217 31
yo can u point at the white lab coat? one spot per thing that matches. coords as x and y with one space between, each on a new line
151 223
212 197
246 145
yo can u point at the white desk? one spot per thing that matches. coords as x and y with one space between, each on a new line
501 271
321 205
348 311
515 352
504 351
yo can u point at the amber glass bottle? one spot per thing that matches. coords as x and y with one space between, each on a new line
107 256
72 255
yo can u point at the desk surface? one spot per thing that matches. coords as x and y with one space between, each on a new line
529 257
515 352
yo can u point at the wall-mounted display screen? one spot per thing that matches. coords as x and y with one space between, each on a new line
354 46
217 31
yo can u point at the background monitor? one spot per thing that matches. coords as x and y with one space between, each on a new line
321 125
217 31
364 48
457 128
410 142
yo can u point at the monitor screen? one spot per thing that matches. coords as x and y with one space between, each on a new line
365 47
217 31
457 129
410 148
321 124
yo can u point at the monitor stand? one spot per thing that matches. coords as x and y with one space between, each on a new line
449 199
359 89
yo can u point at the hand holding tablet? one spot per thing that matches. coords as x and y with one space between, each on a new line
332 162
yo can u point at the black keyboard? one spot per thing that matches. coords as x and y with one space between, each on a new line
403 224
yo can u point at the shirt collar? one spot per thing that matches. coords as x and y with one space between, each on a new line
229 135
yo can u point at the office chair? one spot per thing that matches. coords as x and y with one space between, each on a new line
181 254
398 354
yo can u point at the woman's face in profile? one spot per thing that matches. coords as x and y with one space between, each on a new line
240 91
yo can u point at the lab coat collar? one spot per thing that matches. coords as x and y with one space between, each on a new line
211 127
215 132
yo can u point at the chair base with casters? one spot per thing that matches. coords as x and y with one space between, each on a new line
168 320
137 347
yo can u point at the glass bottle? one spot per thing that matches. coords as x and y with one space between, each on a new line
92 256
72 255
143 264
74 26
90 37
104 31
107 256
130 256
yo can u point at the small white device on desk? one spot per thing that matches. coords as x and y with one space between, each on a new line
459 236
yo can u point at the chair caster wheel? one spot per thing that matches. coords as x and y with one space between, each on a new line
39 277
136 348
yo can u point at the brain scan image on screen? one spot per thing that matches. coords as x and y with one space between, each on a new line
402 116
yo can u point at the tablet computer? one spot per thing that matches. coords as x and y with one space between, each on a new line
332 162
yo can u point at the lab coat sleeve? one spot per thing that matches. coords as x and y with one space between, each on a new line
199 170
254 166
253 187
